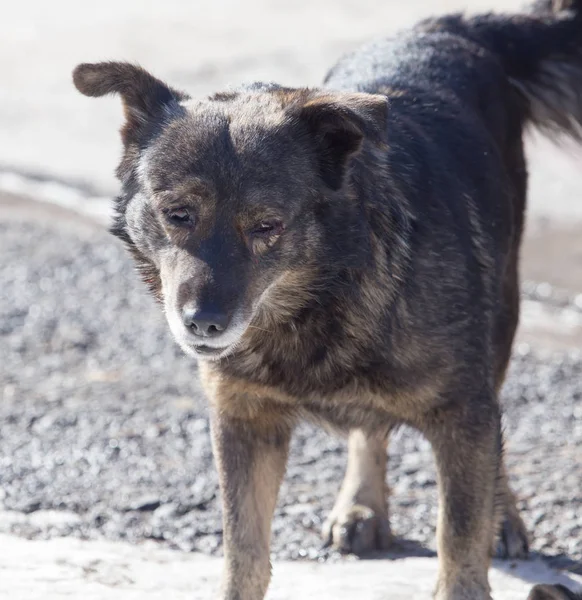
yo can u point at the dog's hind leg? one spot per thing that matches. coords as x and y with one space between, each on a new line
358 522
512 538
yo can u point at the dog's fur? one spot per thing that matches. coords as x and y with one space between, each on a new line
349 255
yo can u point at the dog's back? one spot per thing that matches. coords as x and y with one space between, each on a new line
462 91
539 54
477 80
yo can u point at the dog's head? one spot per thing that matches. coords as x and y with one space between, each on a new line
229 204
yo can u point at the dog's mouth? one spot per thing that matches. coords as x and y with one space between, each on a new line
208 347
210 351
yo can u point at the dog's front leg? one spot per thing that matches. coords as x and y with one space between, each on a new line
467 445
251 459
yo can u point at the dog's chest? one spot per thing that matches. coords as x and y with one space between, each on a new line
370 401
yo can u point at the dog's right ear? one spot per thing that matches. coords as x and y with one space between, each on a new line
338 123
145 98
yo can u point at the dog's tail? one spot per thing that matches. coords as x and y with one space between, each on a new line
541 52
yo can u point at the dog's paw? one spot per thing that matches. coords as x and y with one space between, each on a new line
512 541
357 530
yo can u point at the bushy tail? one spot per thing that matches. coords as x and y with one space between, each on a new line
550 73
541 51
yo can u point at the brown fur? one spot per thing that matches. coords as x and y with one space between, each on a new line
349 255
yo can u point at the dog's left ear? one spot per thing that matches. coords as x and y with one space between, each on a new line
339 122
144 96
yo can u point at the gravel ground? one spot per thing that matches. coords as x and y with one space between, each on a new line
105 433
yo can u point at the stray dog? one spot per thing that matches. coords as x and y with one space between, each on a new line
349 255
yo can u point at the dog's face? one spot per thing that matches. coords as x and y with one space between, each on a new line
229 203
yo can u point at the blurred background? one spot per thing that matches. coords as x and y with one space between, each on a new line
103 427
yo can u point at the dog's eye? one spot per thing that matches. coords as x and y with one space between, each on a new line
268 228
179 216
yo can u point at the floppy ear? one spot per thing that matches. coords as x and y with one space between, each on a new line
338 123
144 97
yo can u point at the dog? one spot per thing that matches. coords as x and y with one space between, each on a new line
349 255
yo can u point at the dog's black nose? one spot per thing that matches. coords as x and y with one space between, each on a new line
205 323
